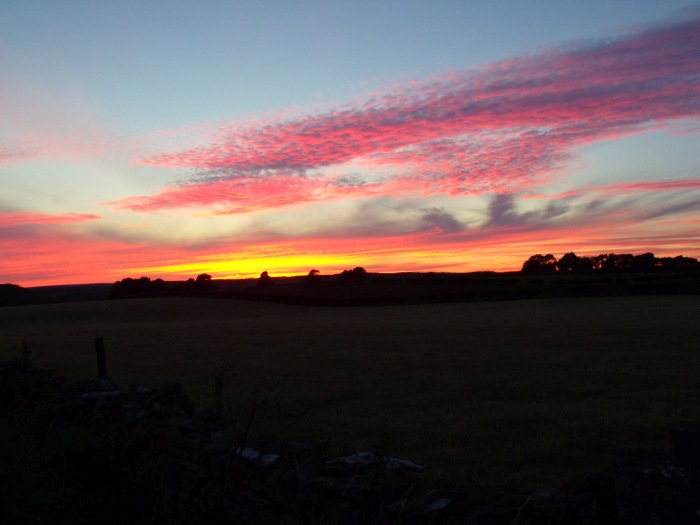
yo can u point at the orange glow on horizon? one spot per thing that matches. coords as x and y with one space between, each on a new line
57 261
239 266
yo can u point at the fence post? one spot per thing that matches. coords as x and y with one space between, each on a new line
101 360
218 393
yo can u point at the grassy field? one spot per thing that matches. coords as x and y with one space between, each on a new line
522 391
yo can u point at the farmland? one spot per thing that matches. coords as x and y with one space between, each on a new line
521 390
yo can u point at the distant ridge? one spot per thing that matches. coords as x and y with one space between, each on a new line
14 295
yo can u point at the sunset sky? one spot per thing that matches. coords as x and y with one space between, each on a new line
171 138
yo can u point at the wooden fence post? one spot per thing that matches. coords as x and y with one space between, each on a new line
101 360
218 393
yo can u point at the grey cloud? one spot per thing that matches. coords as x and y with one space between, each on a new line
370 217
442 219
502 212
351 181
683 205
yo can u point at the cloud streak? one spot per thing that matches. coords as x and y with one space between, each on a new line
22 218
245 195
667 185
8 155
503 127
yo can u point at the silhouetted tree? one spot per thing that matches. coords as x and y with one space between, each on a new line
356 274
540 264
569 262
158 285
142 286
203 282
644 262
611 262
359 272
572 263
623 262
679 263
313 276
599 261
585 264
264 279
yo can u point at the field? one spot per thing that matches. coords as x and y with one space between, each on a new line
525 391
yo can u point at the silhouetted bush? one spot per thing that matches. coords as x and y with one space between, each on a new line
140 287
356 274
678 263
313 276
265 279
203 282
571 262
540 264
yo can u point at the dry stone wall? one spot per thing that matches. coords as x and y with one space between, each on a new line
197 466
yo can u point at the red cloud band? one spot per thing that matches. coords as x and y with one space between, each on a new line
9 220
243 195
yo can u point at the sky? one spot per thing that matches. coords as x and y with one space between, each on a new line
172 138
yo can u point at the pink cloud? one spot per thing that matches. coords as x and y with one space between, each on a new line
14 155
666 185
21 218
624 188
500 127
244 195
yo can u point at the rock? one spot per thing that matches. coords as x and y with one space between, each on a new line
651 489
402 465
684 442
98 384
363 461
438 504
269 459
138 388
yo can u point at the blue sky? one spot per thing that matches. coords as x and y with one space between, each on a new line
164 137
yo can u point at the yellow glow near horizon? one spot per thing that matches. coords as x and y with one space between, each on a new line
387 260
419 253
241 268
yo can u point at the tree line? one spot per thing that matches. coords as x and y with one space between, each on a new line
314 276
144 286
608 262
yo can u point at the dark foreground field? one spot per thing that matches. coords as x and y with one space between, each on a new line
524 391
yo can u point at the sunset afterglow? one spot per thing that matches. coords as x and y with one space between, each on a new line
173 139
